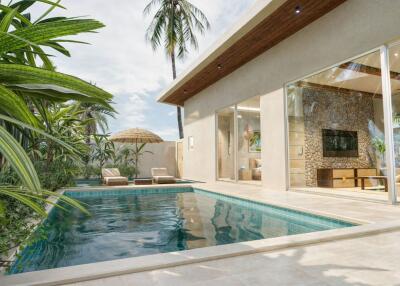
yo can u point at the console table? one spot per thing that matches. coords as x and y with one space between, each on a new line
345 177
383 178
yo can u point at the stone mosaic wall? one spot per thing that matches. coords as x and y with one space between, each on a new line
325 109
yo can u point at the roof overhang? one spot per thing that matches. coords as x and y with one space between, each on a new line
266 24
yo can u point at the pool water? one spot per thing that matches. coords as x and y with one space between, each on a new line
142 222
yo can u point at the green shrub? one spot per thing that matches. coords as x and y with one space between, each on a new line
127 171
57 174
90 172
15 225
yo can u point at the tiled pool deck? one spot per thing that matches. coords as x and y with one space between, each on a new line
363 255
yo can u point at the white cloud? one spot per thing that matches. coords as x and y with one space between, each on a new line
166 132
131 112
120 61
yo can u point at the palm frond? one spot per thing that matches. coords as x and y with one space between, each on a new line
7 20
48 11
39 131
43 32
174 24
24 198
12 74
22 18
149 7
19 160
25 4
15 106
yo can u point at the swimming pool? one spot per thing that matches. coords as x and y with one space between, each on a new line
129 223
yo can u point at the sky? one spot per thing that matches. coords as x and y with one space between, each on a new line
120 61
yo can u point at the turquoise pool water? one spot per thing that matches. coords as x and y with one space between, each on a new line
133 223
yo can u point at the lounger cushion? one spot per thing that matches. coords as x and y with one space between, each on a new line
164 179
110 172
115 179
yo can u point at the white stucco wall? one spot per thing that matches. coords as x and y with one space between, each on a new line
164 156
355 27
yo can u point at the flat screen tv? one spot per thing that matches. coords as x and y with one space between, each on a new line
339 143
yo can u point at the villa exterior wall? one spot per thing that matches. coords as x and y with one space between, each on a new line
353 28
163 155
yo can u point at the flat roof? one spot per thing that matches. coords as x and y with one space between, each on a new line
267 23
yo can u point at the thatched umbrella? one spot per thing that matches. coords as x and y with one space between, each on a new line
136 136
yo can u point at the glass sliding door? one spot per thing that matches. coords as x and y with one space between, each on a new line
238 135
336 128
394 69
226 144
249 141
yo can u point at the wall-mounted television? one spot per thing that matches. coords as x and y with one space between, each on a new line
339 143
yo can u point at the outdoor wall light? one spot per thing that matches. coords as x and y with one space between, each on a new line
297 10
219 67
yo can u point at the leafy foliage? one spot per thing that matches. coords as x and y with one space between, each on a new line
15 223
40 115
379 145
129 156
103 150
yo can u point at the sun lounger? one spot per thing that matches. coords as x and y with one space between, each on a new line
112 177
160 176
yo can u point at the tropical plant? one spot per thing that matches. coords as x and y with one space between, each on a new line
103 150
30 92
380 148
174 25
131 154
96 116
21 54
18 160
379 145
26 89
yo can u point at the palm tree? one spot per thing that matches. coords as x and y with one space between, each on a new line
96 117
174 25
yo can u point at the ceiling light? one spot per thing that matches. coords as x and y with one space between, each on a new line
244 108
297 10
396 54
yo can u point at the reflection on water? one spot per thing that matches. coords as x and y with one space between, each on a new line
136 225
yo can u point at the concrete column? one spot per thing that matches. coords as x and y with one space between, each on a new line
273 141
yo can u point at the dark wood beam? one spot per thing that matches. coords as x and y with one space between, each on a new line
275 28
336 89
357 67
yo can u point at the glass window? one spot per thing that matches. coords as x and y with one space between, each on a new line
394 64
336 127
225 144
249 140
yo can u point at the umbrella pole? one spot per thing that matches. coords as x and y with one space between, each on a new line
136 161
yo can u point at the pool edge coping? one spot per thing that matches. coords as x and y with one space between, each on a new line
92 271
